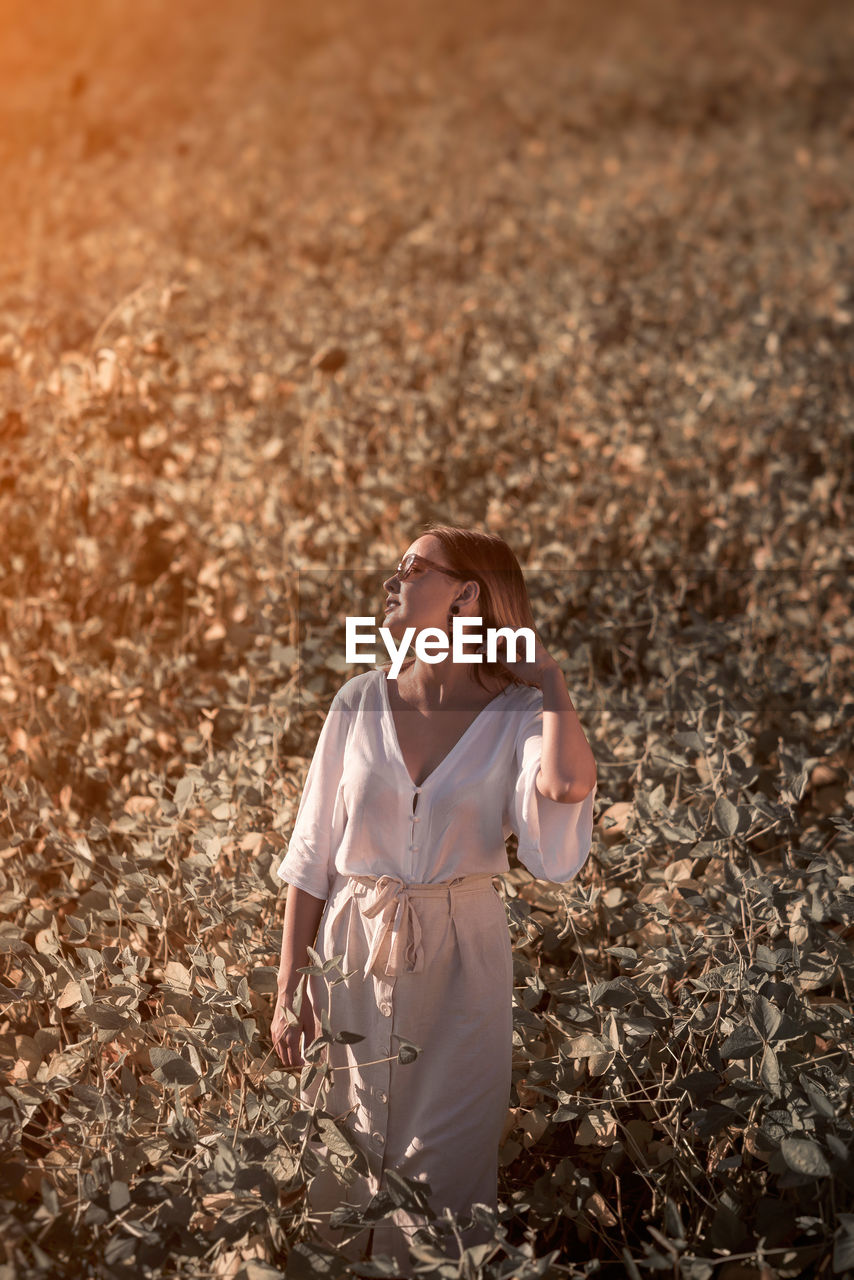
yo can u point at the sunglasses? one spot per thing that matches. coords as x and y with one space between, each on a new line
409 562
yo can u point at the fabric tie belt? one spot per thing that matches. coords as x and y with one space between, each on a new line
390 898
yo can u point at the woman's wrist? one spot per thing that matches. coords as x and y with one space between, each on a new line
286 986
547 669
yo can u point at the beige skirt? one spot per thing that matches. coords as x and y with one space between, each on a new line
431 965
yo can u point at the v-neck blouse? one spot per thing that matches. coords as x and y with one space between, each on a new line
360 813
393 734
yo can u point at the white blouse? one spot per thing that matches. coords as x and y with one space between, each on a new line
361 814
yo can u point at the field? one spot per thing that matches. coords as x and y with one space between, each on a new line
278 285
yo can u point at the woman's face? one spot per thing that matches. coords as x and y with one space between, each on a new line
424 598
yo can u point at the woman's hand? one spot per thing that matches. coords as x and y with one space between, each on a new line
532 672
286 1037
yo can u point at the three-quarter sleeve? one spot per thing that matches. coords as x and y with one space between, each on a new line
309 863
554 838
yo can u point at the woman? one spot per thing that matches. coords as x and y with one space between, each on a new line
400 831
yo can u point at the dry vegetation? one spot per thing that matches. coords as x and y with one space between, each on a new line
279 284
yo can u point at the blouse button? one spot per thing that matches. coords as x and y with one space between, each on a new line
414 848
415 818
385 1010
383 1097
378 1139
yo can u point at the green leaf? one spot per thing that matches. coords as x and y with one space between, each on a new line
176 1070
408 1193
725 815
334 1137
296 1003
769 1071
183 794
342 1143
743 1043
105 1016
725 975
407 1052
805 1156
843 1244
316 1046
225 1163
819 1101
765 1017
584 1045
119 1196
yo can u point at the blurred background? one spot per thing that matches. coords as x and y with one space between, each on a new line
282 282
